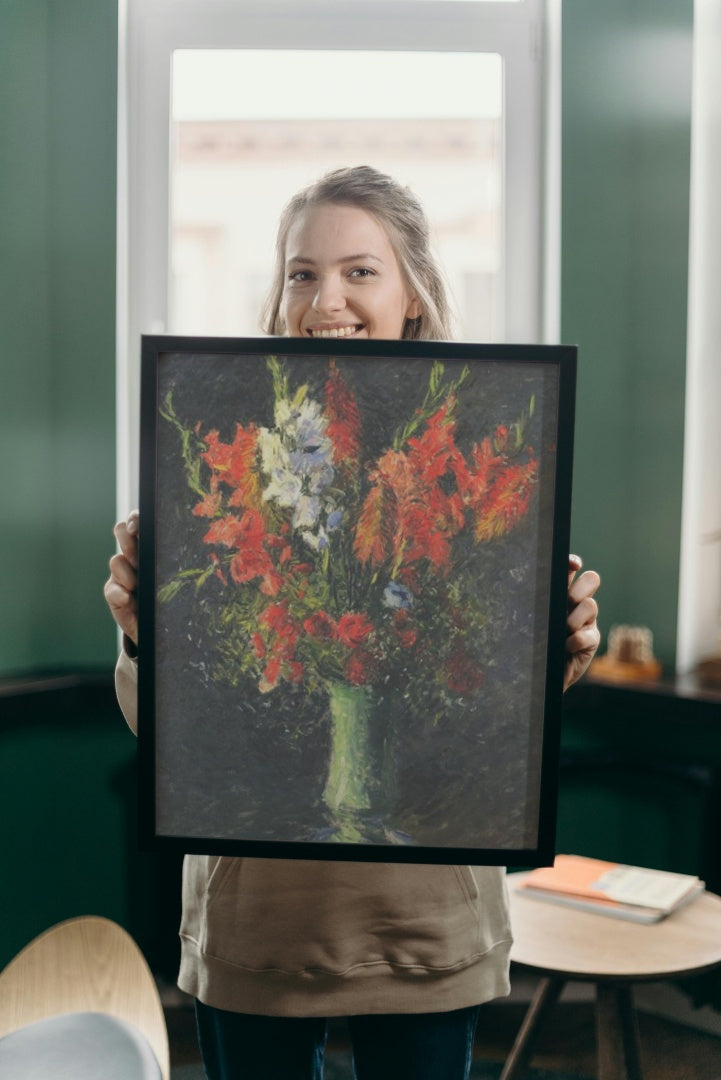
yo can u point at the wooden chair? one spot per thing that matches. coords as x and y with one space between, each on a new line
80 975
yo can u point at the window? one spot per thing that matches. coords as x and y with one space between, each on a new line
227 107
235 160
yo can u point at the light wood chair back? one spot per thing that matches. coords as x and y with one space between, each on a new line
87 964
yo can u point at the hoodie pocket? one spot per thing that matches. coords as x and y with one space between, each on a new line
295 916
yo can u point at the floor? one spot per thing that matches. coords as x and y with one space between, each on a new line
669 1051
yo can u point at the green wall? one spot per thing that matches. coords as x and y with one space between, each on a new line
625 200
58 71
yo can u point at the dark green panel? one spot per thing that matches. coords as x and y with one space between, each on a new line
82 303
64 785
68 799
626 145
26 480
58 75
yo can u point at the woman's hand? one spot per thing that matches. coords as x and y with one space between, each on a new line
583 636
121 587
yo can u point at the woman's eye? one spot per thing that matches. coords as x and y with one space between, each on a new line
362 272
300 276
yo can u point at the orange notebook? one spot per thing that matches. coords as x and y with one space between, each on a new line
632 892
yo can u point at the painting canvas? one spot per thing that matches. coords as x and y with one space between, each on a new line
353 573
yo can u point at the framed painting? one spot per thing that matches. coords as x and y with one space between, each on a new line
352 597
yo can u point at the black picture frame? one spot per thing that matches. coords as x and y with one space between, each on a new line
353 572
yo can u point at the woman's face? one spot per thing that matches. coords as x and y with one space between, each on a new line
342 277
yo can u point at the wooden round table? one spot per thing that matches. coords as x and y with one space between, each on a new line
562 944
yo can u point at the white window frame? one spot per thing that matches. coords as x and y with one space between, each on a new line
526 34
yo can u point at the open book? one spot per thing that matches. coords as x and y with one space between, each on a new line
608 888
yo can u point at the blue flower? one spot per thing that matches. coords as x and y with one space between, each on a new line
397 596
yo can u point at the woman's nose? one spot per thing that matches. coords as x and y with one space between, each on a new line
329 295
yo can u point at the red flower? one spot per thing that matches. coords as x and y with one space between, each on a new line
276 617
295 671
406 632
209 506
432 452
270 676
280 646
319 625
500 438
353 629
232 463
415 506
218 572
360 667
464 676
344 425
247 534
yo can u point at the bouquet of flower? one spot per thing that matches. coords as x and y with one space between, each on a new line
343 569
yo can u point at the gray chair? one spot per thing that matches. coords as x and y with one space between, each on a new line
80 1002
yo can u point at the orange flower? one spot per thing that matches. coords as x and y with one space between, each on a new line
373 535
506 501
408 515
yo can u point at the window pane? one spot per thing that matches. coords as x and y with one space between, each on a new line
252 127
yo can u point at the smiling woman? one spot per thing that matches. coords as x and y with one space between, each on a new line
353 259
337 293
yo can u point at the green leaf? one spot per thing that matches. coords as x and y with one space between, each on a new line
167 592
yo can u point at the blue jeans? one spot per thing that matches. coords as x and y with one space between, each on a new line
414 1046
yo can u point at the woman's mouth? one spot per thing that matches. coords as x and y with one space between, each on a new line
335 331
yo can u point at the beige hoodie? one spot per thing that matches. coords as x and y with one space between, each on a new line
284 937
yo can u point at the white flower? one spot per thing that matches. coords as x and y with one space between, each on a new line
298 459
316 541
284 488
306 512
273 454
302 425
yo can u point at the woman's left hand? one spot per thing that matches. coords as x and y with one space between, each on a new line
583 636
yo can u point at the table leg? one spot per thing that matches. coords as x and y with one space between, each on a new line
617 1033
545 997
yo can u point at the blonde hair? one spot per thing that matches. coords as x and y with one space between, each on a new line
403 217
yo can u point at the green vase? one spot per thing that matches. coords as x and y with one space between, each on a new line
361 784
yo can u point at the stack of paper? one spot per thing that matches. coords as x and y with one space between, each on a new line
608 888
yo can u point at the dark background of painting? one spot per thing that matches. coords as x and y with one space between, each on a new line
232 763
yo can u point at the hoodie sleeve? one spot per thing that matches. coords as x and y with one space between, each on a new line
126 688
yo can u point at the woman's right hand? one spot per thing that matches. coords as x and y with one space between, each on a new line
121 587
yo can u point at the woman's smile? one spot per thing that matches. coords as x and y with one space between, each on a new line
334 331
